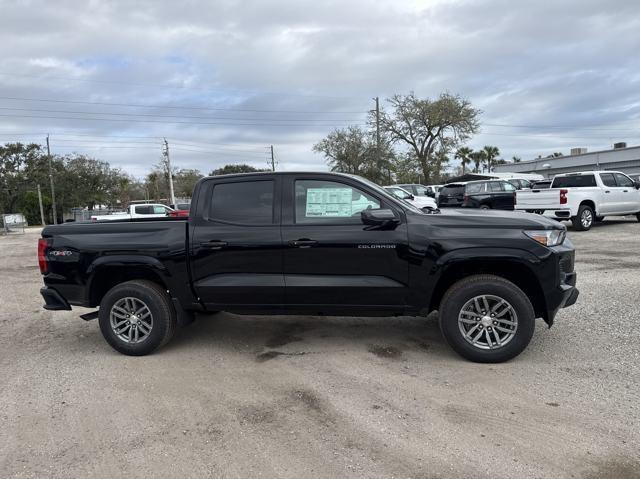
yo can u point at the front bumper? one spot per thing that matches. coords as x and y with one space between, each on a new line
54 300
565 295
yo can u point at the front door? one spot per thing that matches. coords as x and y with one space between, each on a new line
629 195
236 247
331 259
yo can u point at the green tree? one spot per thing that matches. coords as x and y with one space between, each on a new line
478 158
353 150
184 181
462 154
15 159
490 154
235 168
430 128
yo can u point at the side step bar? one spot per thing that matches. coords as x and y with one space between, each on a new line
90 316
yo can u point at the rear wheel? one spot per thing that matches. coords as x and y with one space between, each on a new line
584 220
485 207
137 317
486 319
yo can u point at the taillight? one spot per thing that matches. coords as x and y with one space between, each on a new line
43 246
563 197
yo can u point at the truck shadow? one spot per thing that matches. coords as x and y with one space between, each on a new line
269 337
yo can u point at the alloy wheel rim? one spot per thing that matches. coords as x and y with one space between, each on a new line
488 322
587 218
131 320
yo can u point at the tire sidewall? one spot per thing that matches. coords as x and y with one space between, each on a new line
578 220
158 312
462 292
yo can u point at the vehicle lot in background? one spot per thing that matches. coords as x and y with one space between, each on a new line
416 189
417 201
239 396
492 194
584 197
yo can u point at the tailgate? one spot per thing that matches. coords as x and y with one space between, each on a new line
538 199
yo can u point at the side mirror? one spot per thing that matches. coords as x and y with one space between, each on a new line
378 217
637 184
431 194
411 197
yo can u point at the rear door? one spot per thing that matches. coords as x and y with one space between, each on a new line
331 259
236 246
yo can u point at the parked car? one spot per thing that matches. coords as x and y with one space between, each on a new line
313 243
520 183
483 194
584 197
136 211
417 190
433 191
180 210
417 201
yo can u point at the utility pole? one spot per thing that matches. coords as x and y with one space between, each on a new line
53 191
166 153
273 161
41 209
377 130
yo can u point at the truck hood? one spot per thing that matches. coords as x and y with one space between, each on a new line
472 217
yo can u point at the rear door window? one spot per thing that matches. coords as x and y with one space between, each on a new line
246 202
144 210
577 181
495 187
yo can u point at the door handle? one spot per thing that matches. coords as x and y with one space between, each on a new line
214 244
303 243
625 191
607 191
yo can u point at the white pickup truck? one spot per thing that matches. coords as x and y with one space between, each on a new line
584 198
136 211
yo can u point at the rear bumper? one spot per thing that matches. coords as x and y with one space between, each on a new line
54 300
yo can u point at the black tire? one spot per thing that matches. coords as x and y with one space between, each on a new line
485 207
461 293
589 217
163 316
638 216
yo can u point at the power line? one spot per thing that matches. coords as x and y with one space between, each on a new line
154 115
133 120
179 107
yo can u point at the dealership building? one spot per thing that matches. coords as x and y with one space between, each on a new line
620 158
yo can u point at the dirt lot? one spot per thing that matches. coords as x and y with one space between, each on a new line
236 396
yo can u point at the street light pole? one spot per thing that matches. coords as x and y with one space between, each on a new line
53 191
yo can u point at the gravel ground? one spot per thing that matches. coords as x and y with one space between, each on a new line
248 396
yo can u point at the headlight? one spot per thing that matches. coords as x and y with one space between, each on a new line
547 237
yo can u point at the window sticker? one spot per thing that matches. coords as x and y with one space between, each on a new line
334 203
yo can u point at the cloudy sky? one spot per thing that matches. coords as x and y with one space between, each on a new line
222 80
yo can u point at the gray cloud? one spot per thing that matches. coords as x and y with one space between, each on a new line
570 65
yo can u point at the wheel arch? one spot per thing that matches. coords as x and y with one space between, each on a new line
590 203
512 269
107 272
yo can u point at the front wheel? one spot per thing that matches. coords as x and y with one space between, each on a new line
137 317
638 216
486 319
584 220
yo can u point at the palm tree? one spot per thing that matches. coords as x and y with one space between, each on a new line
462 154
491 153
477 158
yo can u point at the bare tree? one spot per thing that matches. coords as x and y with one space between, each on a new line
430 128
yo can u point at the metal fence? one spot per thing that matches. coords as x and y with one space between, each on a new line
14 223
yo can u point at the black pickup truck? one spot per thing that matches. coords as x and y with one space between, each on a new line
313 243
